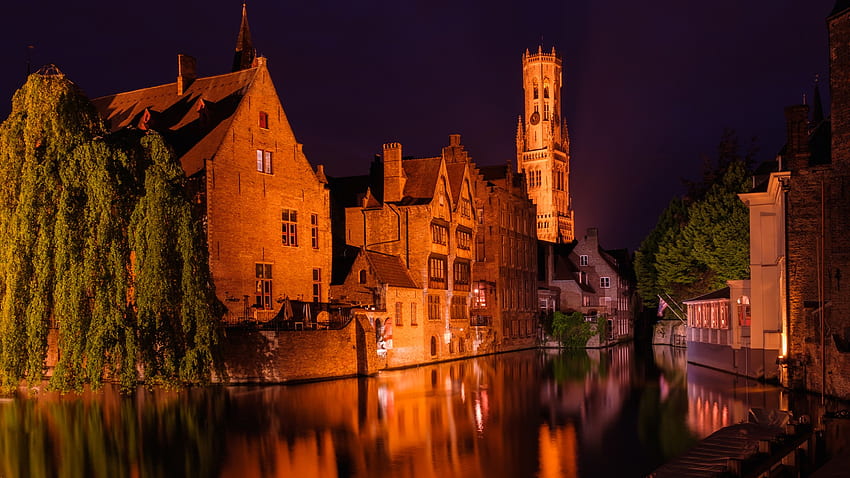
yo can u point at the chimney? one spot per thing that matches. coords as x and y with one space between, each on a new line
394 178
186 72
592 236
797 126
454 152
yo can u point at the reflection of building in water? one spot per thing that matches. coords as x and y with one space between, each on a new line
590 386
717 399
558 452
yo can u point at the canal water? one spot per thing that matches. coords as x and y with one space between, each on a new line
611 412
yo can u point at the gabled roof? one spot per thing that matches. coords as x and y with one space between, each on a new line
715 295
456 173
390 270
193 123
422 177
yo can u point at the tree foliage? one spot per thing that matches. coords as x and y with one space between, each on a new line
77 206
572 330
701 240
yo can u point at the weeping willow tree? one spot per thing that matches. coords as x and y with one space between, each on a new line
96 239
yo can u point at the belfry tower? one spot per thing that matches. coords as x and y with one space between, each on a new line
543 146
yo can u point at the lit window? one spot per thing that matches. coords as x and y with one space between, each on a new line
263 291
264 120
317 285
289 227
605 282
314 230
264 161
464 239
437 272
461 275
439 234
458 308
434 308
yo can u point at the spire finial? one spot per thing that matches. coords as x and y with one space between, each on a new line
244 57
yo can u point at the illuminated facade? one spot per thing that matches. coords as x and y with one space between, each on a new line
504 300
543 146
420 210
264 207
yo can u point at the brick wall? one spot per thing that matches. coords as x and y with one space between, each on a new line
253 356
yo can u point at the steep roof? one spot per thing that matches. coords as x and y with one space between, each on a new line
456 173
422 177
193 123
390 270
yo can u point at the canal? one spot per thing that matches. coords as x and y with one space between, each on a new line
609 412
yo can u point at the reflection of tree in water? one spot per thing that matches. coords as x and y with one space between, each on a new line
145 436
576 366
662 418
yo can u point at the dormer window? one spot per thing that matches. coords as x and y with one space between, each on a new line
264 120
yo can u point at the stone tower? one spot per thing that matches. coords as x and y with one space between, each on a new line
543 146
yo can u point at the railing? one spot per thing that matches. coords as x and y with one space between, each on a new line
480 321
293 315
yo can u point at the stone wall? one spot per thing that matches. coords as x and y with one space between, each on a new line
255 356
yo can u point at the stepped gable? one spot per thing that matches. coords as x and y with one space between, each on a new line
193 123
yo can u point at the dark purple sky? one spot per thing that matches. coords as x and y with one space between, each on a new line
650 86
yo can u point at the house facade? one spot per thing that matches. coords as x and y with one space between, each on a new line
421 211
265 209
504 301
723 333
596 282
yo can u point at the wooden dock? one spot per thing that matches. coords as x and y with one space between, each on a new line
748 450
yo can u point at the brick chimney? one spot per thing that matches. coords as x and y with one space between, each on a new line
394 178
455 152
186 72
797 148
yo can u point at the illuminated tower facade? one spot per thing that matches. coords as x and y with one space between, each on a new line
543 146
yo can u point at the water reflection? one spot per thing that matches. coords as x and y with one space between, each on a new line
608 412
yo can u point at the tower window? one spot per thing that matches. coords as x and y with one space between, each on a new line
546 91
536 92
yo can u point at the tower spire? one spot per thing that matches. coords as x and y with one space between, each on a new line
244 56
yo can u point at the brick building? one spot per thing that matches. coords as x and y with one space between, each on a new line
809 193
421 211
264 207
504 305
595 282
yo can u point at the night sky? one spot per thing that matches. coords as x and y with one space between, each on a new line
650 86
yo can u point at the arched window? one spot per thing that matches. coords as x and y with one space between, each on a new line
536 91
362 278
433 346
